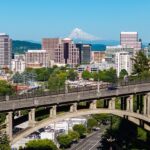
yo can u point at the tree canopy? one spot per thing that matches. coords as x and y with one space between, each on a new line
5 88
91 123
81 129
123 73
44 144
86 75
64 140
140 63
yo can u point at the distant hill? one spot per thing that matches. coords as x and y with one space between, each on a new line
23 46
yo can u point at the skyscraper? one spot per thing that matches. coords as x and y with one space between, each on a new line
5 51
50 44
130 40
84 53
61 51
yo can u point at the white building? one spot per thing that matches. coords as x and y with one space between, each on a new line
123 61
74 121
18 63
62 125
48 135
96 67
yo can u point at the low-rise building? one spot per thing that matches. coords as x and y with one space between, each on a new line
96 67
18 63
36 58
98 56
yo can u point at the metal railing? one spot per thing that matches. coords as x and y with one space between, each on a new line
71 90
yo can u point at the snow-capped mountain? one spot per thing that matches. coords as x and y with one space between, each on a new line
79 34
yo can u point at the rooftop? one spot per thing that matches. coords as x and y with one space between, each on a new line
129 32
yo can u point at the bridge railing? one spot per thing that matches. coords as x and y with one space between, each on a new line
71 90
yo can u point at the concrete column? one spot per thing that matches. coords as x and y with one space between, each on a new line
148 104
111 104
73 107
93 104
145 109
129 103
53 111
32 117
9 125
19 113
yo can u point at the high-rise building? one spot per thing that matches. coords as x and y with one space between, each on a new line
130 40
50 44
61 51
36 58
123 61
84 53
5 51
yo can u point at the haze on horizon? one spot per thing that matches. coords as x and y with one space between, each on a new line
102 19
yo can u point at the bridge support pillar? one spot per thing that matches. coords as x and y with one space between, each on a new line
73 107
111 104
147 104
130 103
32 117
9 125
53 111
93 104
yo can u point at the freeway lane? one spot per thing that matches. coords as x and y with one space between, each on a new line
90 143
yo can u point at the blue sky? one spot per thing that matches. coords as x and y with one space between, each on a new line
35 19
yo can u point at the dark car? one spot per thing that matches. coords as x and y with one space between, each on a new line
112 87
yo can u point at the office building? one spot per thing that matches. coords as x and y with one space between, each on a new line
98 56
50 44
5 51
84 53
61 51
36 58
130 40
123 61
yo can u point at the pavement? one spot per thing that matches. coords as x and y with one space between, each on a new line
90 143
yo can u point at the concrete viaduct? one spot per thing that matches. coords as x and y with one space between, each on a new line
127 96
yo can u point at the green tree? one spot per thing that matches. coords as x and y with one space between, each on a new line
64 140
4 142
44 144
17 78
5 88
91 123
107 75
57 81
72 75
74 135
81 129
140 63
123 73
86 75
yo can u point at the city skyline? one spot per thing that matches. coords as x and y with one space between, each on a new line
105 19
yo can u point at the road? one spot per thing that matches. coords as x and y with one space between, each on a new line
90 143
